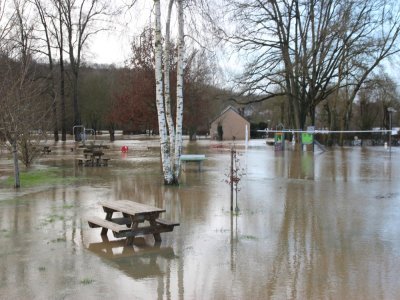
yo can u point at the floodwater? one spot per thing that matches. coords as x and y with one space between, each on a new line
309 226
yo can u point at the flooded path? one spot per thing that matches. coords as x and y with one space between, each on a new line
310 226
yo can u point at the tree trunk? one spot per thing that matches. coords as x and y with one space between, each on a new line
112 134
17 183
165 151
62 80
62 100
167 94
75 80
179 91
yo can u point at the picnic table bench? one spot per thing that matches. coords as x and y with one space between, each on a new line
198 158
133 215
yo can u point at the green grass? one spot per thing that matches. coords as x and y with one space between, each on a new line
52 218
44 177
87 281
59 240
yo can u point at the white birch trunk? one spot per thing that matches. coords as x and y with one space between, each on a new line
165 151
167 68
179 91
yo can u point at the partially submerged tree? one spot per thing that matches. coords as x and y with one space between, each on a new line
23 115
23 118
170 148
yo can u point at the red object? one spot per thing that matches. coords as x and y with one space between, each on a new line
124 149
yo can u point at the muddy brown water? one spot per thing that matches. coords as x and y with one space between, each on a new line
310 226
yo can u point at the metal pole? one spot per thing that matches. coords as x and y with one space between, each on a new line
390 133
231 178
390 111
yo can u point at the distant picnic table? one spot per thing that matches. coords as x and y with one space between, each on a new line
133 215
46 150
93 157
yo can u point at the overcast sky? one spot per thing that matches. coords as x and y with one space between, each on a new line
113 46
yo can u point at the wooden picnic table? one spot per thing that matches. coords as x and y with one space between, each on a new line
46 150
133 216
93 157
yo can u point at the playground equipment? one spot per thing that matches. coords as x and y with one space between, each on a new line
80 133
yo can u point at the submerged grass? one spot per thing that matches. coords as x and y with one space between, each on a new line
86 281
42 177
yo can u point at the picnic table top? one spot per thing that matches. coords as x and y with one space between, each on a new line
131 207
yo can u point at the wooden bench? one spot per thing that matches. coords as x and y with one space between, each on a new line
116 228
166 222
198 158
121 226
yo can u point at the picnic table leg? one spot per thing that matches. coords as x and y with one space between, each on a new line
129 239
108 218
157 236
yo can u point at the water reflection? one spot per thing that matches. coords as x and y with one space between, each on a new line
309 227
138 261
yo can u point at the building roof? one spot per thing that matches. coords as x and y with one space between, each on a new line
230 107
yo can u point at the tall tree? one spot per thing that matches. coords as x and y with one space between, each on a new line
45 20
179 90
307 50
82 19
170 151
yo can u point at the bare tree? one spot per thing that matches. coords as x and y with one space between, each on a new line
45 20
22 116
58 33
307 50
82 19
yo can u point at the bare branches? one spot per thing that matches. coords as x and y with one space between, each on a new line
309 48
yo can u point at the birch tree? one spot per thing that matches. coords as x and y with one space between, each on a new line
179 89
171 146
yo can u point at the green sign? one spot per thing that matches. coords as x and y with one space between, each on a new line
278 137
279 141
307 138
